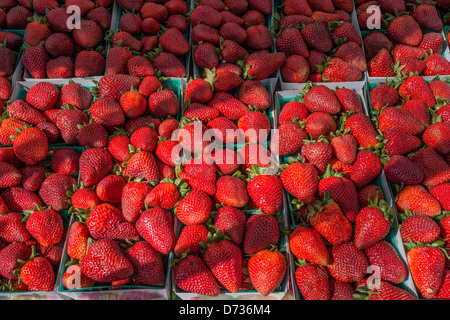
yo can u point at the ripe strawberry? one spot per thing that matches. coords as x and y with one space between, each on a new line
296 69
77 241
53 191
397 27
437 136
317 37
18 199
107 222
317 152
70 281
419 228
43 96
261 65
194 208
17 17
386 291
75 95
427 17
206 15
232 52
197 111
432 42
349 264
228 105
366 168
300 180
372 224
112 85
191 274
190 238
109 189
341 290
427 265
224 259
95 164
417 89
198 91
337 70
89 63
9 257
84 199
418 200
147 264
403 51
173 41
307 244
321 99
383 95
9 175
439 193
433 165
162 104
36 32
400 170
105 262
45 226
31 146
12 229
142 164
261 231
231 221
328 219
288 140
290 41
93 135
102 16
419 110
38 274
133 196
312 281
67 122
266 192
381 65
231 191
384 256
255 94
267 270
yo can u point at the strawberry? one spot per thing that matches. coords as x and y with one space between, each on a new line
231 221
75 95
437 136
43 96
427 265
200 112
386 291
321 99
33 176
300 180
198 91
267 270
432 42
261 231
419 228
12 229
255 126
374 42
116 62
18 199
162 104
328 219
194 208
112 85
337 70
105 262
93 135
89 35
206 15
57 19
224 259
417 89
443 291
38 274
102 16
349 263
204 33
164 195
109 189
36 32
130 22
312 281
192 274
95 164
307 244
228 105
67 122
290 41
418 200
31 146
300 7
296 69
70 281
436 64
89 63
397 27
372 224
190 238
366 168
140 66
341 290
77 241
439 193
142 164
403 51
266 192
317 152
45 226
384 256
173 41
427 17
288 140
383 95
233 31
147 264
401 170
53 191
231 191
255 94
17 17
130 5
433 165
381 65
261 65
9 175
9 257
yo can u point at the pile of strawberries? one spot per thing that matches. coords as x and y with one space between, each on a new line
151 35
320 42
414 131
53 50
33 186
411 40
335 196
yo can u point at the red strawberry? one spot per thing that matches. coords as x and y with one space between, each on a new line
12 229
198 91
190 238
70 278
45 226
349 264
191 274
366 168
418 200
417 89
38 275
231 191
397 32
105 262
142 164
312 281
427 266
31 146
419 228
261 65
300 180
372 224
95 164
77 241
53 191
18 199
402 170
381 65
194 208
433 165
164 195
307 244
147 264
267 270
261 231
318 153
384 256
